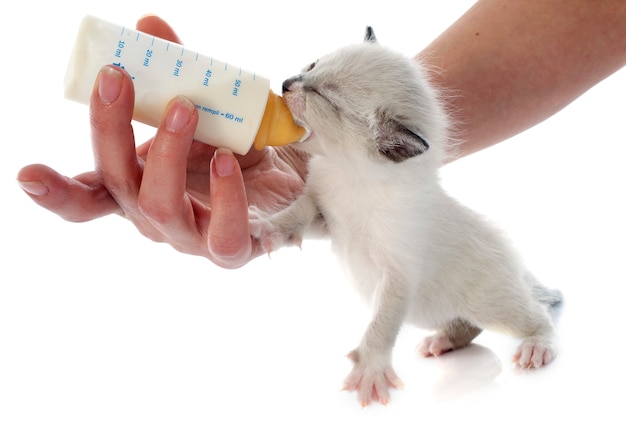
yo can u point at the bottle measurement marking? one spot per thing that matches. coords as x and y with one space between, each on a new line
237 87
230 116
146 60
118 50
177 71
214 112
207 77
179 65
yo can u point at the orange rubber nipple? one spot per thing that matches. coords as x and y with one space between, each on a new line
277 126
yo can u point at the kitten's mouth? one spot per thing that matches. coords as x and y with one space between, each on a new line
298 121
295 107
308 132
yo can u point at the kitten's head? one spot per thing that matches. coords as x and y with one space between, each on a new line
365 99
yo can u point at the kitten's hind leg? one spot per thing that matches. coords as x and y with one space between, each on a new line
533 353
527 319
538 347
455 334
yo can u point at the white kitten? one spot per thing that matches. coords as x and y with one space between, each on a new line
378 135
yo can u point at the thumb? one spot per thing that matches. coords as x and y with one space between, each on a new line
229 241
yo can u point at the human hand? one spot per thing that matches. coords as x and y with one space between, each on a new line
172 188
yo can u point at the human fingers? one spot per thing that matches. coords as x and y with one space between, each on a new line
156 26
229 241
113 141
78 199
163 199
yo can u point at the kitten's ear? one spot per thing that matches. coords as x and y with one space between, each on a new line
395 141
370 37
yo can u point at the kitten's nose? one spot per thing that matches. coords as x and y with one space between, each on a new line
289 82
286 84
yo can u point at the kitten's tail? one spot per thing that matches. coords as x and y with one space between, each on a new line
553 298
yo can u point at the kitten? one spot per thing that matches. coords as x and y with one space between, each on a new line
377 136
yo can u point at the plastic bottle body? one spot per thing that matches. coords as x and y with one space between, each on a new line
230 101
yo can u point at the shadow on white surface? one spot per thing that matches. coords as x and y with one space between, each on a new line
469 370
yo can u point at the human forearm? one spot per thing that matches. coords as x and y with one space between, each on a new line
511 64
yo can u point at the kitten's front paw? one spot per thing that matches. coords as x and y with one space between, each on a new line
270 235
261 228
371 380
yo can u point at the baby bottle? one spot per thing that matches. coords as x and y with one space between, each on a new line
236 108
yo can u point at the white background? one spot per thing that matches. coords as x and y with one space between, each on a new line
101 327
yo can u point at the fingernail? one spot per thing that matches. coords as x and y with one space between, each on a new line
178 114
224 162
34 187
109 84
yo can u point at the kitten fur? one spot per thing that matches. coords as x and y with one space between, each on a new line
378 135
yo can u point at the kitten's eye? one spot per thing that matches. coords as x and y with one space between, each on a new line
310 67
